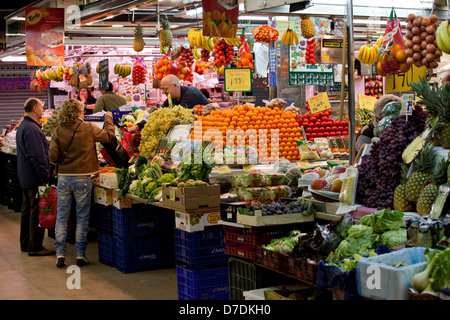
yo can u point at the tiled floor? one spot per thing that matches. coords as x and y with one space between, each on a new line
31 278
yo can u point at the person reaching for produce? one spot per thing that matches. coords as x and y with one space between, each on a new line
187 97
365 135
72 149
109 100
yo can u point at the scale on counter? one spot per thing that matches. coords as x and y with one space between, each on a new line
331 49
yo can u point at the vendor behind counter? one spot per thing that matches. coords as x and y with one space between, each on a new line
109 100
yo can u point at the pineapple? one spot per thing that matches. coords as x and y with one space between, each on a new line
307 27
437 101
428 193
423 166
400 202
138 42
165 36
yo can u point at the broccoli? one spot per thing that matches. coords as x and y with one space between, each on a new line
167 178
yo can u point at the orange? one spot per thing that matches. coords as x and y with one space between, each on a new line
400 56
404 67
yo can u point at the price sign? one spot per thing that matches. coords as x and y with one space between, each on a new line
223 169
319 103
248 168
238 79
366 102
103 75
407 104
401 81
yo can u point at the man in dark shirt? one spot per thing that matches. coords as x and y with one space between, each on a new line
187 97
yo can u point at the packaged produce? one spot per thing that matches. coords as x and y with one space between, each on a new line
246 180
278 192
285 244
265 33
348 189
253 194
292 176
277 102
324 148
210 107
273 179
308 151
391 109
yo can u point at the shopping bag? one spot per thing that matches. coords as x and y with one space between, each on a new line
115 154
48 204
392 42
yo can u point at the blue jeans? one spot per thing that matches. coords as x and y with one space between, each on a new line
70 187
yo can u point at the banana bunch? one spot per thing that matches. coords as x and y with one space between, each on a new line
368 54
289 37
220 70
197 54
235 42
197 39
55 74
123 70
443 36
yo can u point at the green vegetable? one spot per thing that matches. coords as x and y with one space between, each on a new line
382 125
393 238
167 178
361 240
436 275
383 220
391 109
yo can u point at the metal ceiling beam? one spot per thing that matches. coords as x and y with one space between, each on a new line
181 6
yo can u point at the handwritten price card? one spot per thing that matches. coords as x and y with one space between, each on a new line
319 103
366 102
238 79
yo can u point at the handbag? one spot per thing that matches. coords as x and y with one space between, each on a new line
48 204
117 153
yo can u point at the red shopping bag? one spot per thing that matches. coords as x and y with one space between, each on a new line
392 42
48 204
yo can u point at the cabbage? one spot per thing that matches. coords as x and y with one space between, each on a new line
383 220
360 240
393 238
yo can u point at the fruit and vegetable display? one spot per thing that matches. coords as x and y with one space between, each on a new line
279 124
265 33
158 124
380 171
54 74
223 53
279 207
421 44
197 39
79 75
320 124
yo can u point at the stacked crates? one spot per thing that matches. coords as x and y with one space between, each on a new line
202 269
140 238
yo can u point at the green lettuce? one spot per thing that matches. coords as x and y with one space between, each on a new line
383 220
393 238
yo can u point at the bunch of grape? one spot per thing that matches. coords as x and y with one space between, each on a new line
379 171
157 126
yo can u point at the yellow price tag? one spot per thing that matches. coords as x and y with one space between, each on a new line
248 168
172 195
319 103
366 102
238 79
223 169
402 81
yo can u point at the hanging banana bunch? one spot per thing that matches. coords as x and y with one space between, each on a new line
368 54
289 37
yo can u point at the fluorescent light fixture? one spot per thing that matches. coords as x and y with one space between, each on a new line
14 59
194 12
109 17
252 18
117 25
18 18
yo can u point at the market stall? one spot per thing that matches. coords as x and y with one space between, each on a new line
273 185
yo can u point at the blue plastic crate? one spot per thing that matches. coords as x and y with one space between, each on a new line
102 217
207 284
200 249
105 249
143 254
117 114
141 221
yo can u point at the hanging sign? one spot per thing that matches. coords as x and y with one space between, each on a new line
103 74
401 81
44 29
319 103
238 79
366 102
220 18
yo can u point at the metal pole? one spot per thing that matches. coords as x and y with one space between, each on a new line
351 81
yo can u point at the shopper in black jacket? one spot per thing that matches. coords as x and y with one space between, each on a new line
33 171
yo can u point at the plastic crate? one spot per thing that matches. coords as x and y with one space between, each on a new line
141 221
143 254
200 249
256 236
270 259
237 249
102 218
246 276
207 284
301 269
105 249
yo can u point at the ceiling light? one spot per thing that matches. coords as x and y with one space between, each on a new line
117 25
14 59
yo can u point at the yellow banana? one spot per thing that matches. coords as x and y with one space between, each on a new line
210 44
291 39
237 41
227 41
360 53
363 54
295 38
198 40
191 34
283 38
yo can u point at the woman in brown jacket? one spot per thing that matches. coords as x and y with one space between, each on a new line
73 147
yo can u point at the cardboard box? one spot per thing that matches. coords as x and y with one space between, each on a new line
103 196
108 180
259 220
192 222
191 199
125 203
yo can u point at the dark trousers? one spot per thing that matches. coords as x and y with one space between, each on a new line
31 235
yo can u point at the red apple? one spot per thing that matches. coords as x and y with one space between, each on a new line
318 184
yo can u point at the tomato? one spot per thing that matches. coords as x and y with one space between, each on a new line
313 119
322 129
308 130
314 135
334 128
338 133
318 114
320 135
315 129
327 128
345 133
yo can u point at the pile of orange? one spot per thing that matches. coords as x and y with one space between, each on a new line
162 68
245 60
278 141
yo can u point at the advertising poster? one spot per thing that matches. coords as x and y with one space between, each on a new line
44 29
220 18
